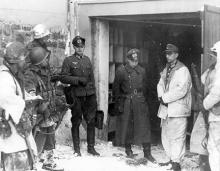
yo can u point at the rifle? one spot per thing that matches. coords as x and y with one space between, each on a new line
30 150
199 93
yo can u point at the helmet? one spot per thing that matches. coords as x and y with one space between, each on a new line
15 52
216 47
37 55
40 31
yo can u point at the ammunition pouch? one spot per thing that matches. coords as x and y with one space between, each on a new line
99 119
5 128
24 126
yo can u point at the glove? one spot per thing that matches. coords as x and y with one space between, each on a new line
55 78
42 107
82 81
162 102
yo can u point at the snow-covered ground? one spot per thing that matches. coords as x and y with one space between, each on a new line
108 160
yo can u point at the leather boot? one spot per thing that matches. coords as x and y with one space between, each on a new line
204 163
50 164
76 140
175 166
165 164
129 151
147 153
91 139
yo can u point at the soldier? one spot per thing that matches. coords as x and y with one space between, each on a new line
38 81
211 104
174 94
15 125
129 90
77 71
51 110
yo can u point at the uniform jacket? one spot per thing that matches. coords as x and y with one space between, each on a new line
134 121
211 102
175 91
37 81
73 69
13 105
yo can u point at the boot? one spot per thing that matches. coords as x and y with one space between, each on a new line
129 151
50 164
175 166
147 153
76 140
91 139
204 163
165 164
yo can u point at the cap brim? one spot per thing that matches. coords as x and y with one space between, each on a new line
170 51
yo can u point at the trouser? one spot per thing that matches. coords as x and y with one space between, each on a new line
214 145
84 106
45 141
173 137
18 161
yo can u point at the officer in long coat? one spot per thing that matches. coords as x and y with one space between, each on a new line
77 71
129 88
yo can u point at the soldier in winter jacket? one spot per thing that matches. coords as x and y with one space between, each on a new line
15 123
174 94
211 102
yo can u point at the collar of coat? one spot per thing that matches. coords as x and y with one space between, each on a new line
129 69
176 67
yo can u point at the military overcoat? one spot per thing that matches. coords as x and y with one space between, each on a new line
133 125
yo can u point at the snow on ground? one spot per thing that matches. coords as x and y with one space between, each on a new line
108 162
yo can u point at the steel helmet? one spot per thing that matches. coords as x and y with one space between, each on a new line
15 52
40 31
38 55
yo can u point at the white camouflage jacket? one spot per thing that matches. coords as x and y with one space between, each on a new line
176 92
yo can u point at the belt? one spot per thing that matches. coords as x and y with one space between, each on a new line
135 92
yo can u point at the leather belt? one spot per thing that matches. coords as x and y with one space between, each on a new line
136 92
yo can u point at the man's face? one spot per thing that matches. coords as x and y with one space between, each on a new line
21 64
171 56
79 50
134 61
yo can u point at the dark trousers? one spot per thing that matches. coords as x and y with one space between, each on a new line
45 140
84 107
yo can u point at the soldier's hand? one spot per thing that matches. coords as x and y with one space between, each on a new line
42 107
83 81
162 102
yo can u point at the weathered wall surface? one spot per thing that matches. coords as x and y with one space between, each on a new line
20 16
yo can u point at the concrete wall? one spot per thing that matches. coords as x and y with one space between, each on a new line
94 8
